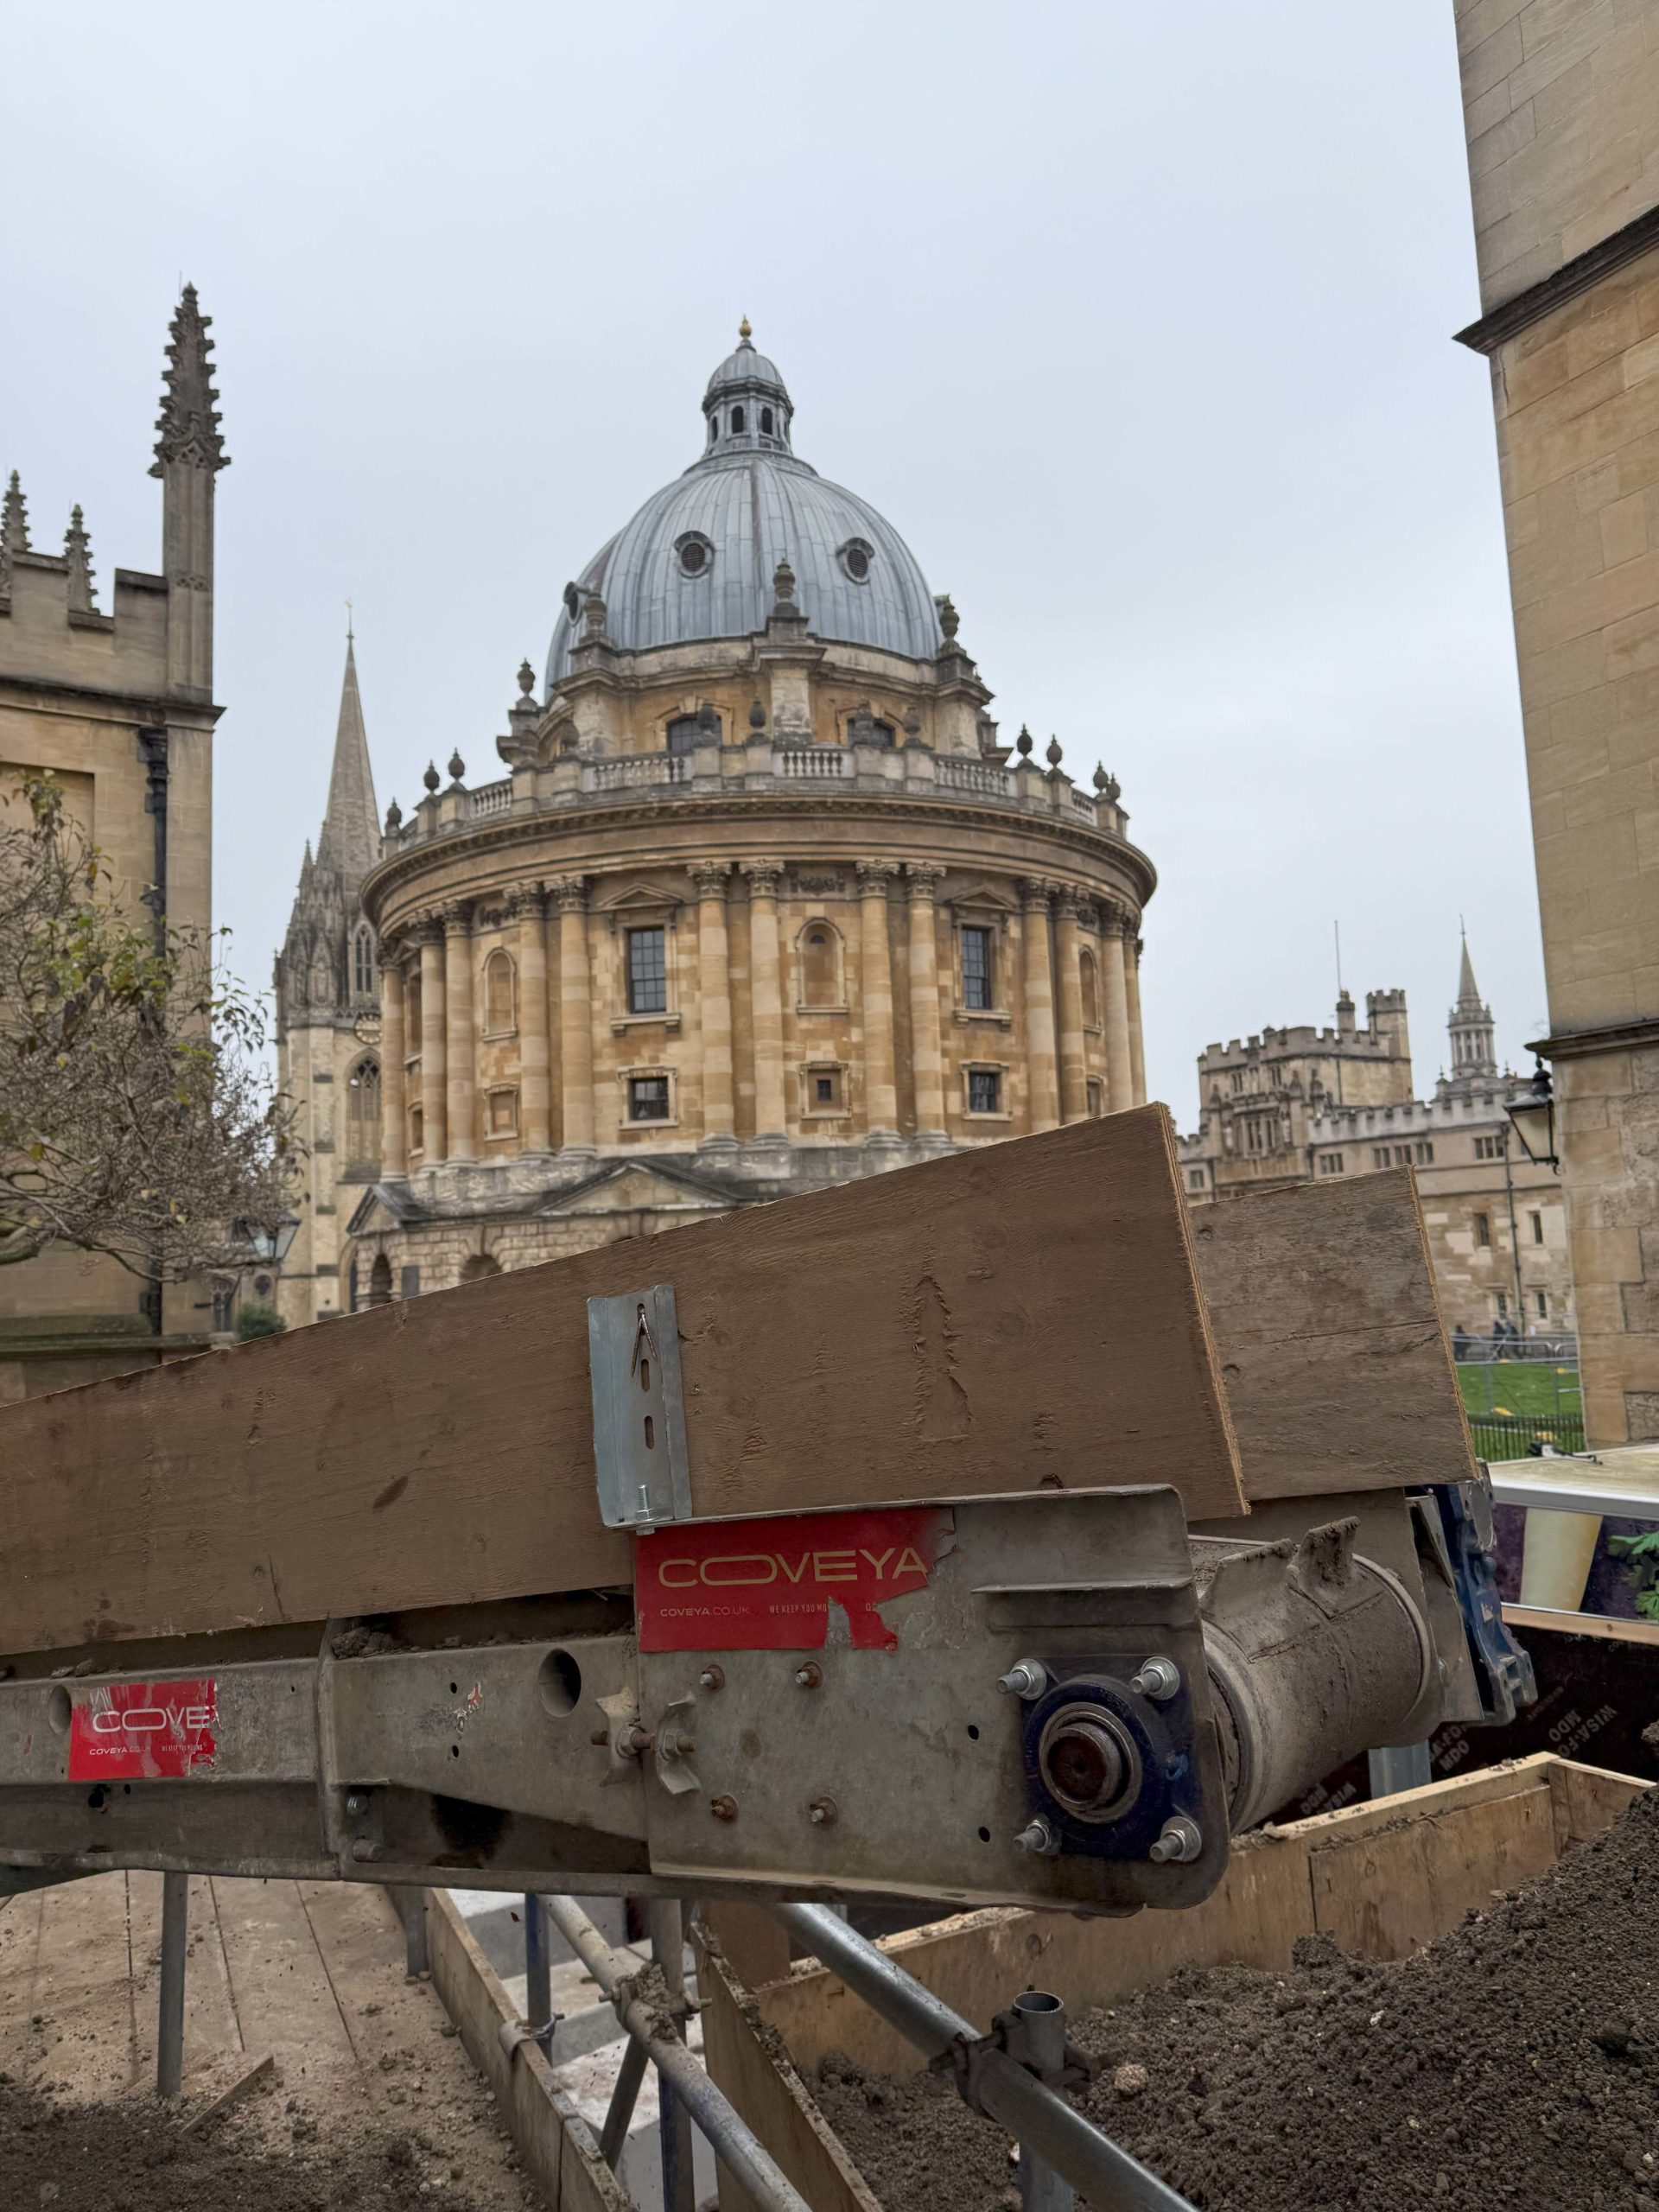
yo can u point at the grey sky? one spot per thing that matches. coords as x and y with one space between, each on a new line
1135 320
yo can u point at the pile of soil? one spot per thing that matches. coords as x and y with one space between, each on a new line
129 2155
1514 2062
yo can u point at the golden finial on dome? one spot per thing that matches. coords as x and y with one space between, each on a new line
743 330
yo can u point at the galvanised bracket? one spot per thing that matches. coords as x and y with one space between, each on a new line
640 1449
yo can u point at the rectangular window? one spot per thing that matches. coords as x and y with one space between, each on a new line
1425 1154
408 1283
977 975
1097 1104
1379 1156
1537 1220
503 1113
984 1090
1483 1235
647 972
1502 1306
1541 1297
1195 1179
1489 1147
823 1094
647 1097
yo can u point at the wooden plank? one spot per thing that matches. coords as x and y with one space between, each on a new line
1607 1625
979 1962
760 2080
555 2142
1387 1894
1329 1330
1019 1317
1588 1799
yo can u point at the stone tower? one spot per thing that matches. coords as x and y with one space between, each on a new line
1469 1026
328 1022
107 682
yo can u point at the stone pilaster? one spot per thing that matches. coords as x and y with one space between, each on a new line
459 1028
1137 1042
881 1086
528 906
576 1013
434 1097
1042 1072
394 1122
715 998
1115 988
926 1044
1074 1095
766 999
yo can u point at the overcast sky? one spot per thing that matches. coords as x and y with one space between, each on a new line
1135 320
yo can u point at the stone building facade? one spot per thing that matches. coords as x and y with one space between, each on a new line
327 1001
1562 111
116 700
762 901
1310 1105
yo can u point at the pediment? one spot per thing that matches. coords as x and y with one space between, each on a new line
650 896
979 891
634 1187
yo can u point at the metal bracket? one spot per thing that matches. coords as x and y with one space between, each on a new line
1065 2067
633 1354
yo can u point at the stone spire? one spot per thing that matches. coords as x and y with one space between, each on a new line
14 532
77 551
351 833
187 426
1470 1027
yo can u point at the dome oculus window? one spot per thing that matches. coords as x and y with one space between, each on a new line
572 601
855 557
695 553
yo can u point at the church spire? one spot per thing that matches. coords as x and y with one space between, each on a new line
350 827
1470 1026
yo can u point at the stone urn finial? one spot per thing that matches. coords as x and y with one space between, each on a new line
526 679
394 819
1022 743
431 779
783 584
457 767
1054 755
949 621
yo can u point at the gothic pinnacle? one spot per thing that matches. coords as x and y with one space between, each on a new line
187 426
77 551
14 519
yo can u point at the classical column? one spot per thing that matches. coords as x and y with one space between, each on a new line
1041 1073
394 1127
926 1048
529 906
715 1001
576 1013
1137 1043
1120 1067
766 999
1074 1093
458 1025
434 1113
880 1089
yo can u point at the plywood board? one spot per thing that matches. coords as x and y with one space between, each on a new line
1020 1317
1385 1895
1328 1326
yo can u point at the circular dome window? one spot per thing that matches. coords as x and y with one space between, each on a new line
854 558
695 554
572 601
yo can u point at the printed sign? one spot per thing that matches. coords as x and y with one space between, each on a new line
769 1585
150 1732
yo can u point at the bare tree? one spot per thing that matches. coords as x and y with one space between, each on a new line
135 1120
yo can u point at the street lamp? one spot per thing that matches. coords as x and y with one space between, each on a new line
1533 1112
269 1243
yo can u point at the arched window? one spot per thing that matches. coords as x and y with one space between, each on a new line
380 1280
412 1012
363 977
821 984
363 1114
765 422
686 731
479 1267
737 422
882 733
1089 976
501 1013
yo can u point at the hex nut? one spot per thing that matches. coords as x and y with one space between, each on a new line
723 1808
357 1804
821 1812
809 1675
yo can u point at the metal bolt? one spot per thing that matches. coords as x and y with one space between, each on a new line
357 1804
1039 1839
1159 1679
638 1741
712 1678
723 1808
679 1747
364 1851
1182 1841
821 1812
1026 1678
809 1675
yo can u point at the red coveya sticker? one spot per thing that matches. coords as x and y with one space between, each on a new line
768 1585
152 1732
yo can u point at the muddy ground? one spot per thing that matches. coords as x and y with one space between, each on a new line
1514 2063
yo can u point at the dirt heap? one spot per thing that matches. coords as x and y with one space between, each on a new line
128 2155
1514 2062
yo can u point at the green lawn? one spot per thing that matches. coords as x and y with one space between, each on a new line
1533 1390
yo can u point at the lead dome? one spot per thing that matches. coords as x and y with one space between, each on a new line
698 559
